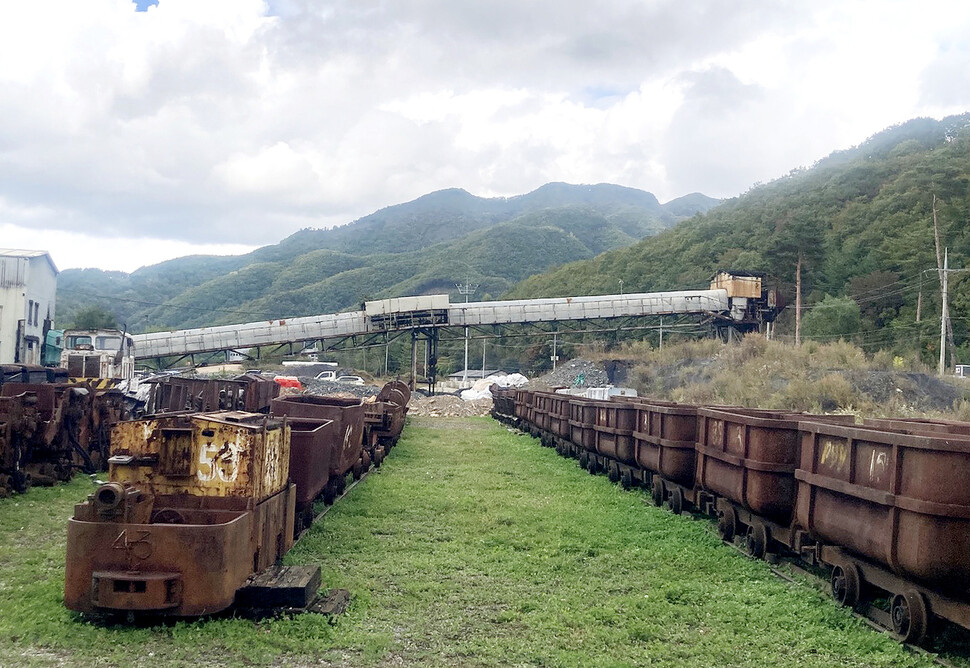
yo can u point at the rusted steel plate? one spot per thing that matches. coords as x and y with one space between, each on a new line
523 399
582 422
349 419
174 555
559 415
749 457
396 392
900 499
917 425
208 454
71 427
243 393
665 437
614 427
313 445
503 401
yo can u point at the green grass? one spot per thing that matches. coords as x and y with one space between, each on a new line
471 546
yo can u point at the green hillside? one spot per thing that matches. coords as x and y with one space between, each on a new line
862 222
419 247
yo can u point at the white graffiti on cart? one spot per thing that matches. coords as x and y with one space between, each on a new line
220 462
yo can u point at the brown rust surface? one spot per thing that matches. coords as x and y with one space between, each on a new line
665 438
614 427
189 564
313 445
749 457
349 420
209 454
899 498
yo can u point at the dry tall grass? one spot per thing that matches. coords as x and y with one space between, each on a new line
817 377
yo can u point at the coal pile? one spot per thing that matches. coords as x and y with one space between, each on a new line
330 388
575 373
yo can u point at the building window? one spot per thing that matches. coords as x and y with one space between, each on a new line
37 313
30 312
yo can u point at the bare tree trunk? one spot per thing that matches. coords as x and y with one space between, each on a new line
798 301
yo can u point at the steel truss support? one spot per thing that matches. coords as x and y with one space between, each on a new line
430 335
435 333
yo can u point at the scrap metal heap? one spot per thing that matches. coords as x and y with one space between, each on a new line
49 427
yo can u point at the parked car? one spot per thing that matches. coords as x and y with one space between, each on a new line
352 380
326 375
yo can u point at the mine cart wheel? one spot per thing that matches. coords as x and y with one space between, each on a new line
756 540
845 584
910 616
591 465
21 481
559 449
614 473
378 456
330 491
727 524
341 484
167 516
358 469
583 459
676 501
658 491
304 518
626 479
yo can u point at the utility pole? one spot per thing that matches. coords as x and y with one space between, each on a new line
467 289
798 300
661 332
919 299
942 272
483 358
555 357
621 286
945 311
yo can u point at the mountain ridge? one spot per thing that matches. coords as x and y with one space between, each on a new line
430 242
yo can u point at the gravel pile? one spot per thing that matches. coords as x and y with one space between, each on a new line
575 373
448 405
332 389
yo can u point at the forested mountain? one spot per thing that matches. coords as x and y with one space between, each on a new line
420 247
862 222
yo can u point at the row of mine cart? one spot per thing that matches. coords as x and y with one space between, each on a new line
883 506
206 493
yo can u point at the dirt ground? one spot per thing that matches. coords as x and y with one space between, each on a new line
448 405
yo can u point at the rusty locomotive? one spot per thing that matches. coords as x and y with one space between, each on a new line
883 506
198 502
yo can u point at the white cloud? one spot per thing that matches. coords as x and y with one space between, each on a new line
81 250
241 121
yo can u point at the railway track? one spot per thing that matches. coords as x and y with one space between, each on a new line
823 585
319 516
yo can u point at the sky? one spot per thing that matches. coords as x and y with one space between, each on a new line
134 132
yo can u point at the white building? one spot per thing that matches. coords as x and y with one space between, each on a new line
28 285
